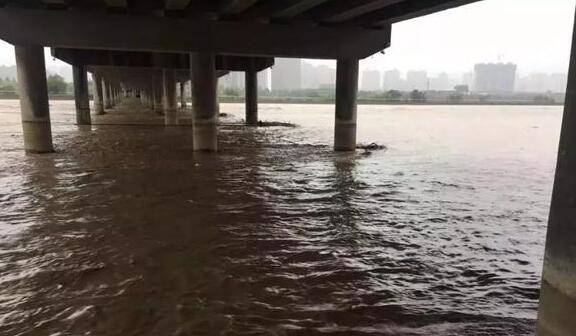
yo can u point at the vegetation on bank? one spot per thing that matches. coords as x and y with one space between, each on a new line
395 97
56 84
8 87
57 87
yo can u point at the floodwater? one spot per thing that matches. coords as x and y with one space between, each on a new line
126 231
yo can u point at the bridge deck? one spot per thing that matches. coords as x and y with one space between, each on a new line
291 28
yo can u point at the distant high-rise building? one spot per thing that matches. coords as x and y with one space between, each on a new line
370 81
236 80
287 74
309 76
263 81
417 80
317 76
326 76
442 82
494 77
542 82
558 82
233 80
393 80
468 79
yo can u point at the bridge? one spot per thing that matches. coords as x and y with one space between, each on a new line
148 46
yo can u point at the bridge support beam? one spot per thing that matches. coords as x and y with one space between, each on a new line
204 101
143 98
157 93
111 91
33 92
107 94
98 94
81 96
558 292
183 95
150 97
251 89
346 93
169 101
114 94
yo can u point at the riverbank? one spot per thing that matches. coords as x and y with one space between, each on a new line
361 101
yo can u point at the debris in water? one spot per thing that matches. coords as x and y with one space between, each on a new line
371 147
275 124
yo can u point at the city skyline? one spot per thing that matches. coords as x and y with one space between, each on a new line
306 75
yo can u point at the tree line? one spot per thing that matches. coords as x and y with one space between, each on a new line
57 85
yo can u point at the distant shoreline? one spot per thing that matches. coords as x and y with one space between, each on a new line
303 101
321 101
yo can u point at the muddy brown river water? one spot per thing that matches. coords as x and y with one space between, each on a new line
126 231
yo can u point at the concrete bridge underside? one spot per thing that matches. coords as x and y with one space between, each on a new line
149 45
152 76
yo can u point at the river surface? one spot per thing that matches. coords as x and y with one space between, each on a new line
126 231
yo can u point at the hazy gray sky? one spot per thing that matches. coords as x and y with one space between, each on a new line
535 34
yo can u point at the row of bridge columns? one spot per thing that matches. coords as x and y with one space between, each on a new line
105 92
160 93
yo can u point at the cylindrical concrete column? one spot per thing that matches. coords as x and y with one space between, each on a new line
112 97
169 99
557 312
183 95
115 94
112 94
251 88
150 97
157 93
204 101
81 96
107 94
33 92
98 94
346 93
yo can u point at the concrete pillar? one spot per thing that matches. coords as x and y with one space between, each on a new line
346 92
33 92
111 90
107 94
251 89
204 101
150 97
157 94
143 100
115 94
98 94
169 99
557 312
81 96
112 94
183 95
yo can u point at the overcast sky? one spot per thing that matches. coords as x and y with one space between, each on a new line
535 34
